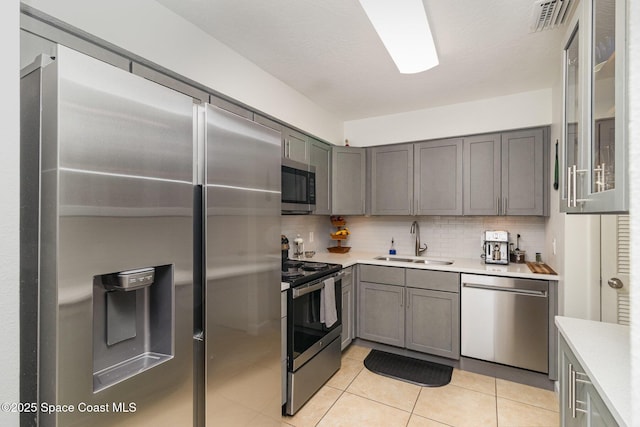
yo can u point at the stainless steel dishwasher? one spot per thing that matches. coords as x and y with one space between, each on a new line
506 321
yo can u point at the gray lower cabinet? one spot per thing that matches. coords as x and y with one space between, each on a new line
410 308
381 313
438 177
392 180
580 403
432 322
598 413
433 312
348 175
348 307
320 157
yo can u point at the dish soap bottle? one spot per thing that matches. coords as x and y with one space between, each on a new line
392 249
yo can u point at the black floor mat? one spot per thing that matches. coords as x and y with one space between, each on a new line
420 372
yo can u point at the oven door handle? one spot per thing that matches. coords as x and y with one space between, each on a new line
298 292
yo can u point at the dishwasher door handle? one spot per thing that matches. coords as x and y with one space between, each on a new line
517 291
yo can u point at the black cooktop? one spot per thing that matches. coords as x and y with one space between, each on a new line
298 272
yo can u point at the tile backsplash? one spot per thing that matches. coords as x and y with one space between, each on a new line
303 225
446 236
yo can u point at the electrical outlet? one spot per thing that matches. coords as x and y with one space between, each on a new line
311 237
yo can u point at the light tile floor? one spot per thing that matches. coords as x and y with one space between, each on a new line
356 397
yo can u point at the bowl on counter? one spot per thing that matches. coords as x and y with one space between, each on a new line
309 254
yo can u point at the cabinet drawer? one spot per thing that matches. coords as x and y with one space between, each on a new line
434 280
378 274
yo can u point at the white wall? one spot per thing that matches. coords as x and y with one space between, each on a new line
9 208
493 114
577 237
554 226
142 27
580 288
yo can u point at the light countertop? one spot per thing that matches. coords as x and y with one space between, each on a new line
603 351
460 265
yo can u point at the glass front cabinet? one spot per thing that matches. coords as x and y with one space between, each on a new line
594 136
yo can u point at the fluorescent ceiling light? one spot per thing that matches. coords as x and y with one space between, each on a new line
404 30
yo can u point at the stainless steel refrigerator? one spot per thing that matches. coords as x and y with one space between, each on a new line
107 247
241 339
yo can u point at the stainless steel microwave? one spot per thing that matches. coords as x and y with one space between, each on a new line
298 187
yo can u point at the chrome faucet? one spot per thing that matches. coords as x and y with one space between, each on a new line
415 230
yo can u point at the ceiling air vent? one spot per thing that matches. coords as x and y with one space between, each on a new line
549 14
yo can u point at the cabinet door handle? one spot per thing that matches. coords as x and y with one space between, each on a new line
402 299
603 178
570 387
573 392
575 187
504 206
569 187
498 205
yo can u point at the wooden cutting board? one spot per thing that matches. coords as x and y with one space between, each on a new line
540 268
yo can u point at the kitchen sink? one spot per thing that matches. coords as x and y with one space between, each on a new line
393 258
432 261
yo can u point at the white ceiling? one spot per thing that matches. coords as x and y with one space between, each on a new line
328 51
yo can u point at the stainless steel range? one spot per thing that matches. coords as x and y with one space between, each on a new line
314 325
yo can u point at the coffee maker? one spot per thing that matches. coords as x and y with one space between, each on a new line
496 247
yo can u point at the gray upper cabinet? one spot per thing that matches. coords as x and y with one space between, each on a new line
523 172
380 304
438 177
594 173
320 157
267 122
482 170
295 145
231 107
348 174
392 180
506 174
